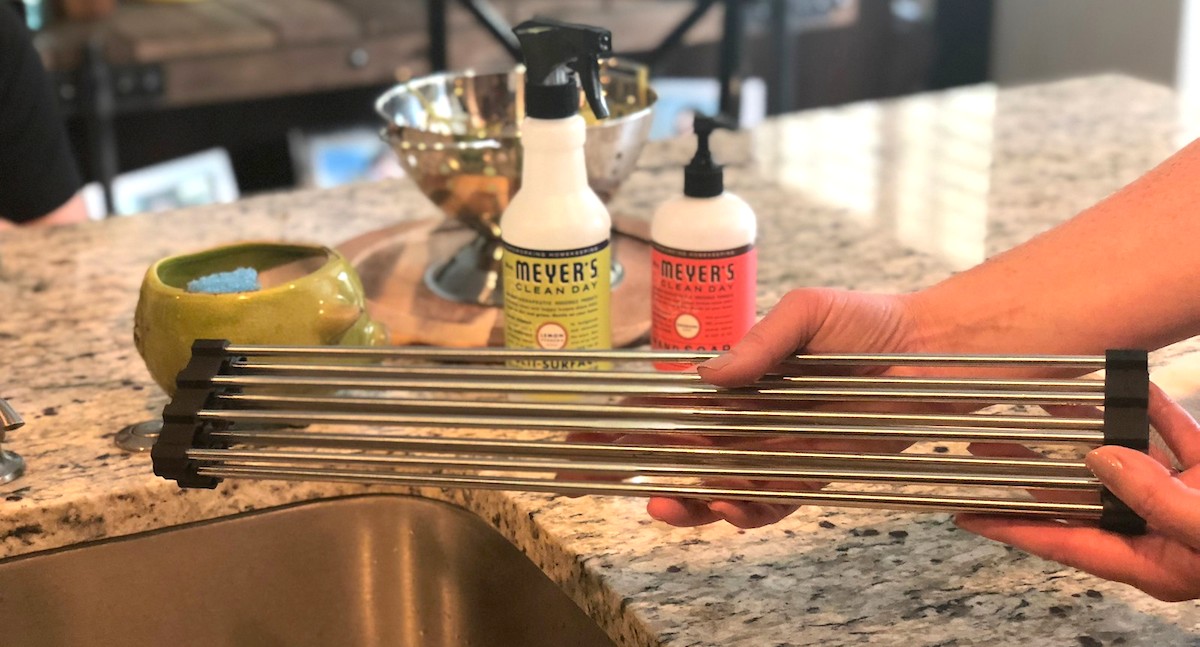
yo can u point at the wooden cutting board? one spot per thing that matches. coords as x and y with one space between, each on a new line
392 263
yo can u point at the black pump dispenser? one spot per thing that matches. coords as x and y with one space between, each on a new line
703 178
555 53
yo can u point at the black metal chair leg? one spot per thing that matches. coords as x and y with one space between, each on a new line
731 57
495 24
676 35
437 34
99 105
784 51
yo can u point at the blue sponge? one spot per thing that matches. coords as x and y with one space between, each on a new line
243 279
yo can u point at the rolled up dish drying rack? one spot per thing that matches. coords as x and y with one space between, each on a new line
264 412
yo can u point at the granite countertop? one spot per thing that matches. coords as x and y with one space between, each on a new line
887 196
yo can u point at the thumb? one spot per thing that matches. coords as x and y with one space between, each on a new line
787 327
1166 503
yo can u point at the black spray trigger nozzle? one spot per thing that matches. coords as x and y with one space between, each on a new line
555 54
589 77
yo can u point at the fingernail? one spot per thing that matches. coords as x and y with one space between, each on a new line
1104 464
717 363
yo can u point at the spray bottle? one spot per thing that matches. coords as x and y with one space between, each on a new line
557 257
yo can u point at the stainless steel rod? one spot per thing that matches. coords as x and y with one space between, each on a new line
1086 362
609 412
244 457
486 372
633 425
667 454
690 391
895 501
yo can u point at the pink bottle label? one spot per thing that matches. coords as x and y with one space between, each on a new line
702 301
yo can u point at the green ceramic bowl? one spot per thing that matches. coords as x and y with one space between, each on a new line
310 296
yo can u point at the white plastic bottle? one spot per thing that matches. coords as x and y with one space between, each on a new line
557 254
704 277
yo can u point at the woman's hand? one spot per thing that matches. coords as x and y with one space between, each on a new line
1165 562
809 321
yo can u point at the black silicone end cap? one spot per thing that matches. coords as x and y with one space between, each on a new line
1126 399
1126 424
551 101
1117 517
182 429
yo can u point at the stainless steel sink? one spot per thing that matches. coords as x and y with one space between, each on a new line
370 571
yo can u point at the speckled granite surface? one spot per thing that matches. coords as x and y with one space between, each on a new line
882 196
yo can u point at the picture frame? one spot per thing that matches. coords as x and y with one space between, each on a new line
202 178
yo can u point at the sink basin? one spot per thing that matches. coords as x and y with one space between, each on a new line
369 571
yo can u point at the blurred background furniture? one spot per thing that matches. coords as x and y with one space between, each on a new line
153 82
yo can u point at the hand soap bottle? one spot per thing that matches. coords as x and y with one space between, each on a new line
557 258
704 273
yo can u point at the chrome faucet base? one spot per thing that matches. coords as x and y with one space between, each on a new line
12 466
139 437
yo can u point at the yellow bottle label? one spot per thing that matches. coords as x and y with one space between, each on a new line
557 300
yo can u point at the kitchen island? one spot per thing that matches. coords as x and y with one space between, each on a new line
887 196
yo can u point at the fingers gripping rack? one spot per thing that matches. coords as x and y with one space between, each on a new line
616 426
